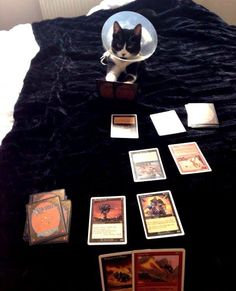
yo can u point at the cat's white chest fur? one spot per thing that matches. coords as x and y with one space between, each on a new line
117 69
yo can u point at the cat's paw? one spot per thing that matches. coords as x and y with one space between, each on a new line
111 77
130 79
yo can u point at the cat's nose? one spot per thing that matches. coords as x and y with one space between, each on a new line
123 54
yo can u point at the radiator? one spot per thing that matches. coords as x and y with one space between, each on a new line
65 8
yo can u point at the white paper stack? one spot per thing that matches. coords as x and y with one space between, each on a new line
202 115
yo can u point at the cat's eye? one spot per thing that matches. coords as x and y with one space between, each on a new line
119 45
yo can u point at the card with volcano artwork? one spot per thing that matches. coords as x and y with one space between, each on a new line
107 220
116 271
158 269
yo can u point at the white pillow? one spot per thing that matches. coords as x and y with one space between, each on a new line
108 4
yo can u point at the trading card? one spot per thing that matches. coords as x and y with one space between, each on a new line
189 158
159 269
46 220
116 271
146 165
66 208
167 122
124 126
159 215
107 220
44 195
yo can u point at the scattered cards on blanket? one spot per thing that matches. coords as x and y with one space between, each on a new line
159 215
146 165
202 115
167 122
107 220
149 269
189 158
48 216
124 126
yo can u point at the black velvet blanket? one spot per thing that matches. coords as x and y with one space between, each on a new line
61 139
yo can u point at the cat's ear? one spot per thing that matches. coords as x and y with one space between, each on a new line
138 30
116 27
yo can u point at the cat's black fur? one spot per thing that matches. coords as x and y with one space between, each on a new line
126 45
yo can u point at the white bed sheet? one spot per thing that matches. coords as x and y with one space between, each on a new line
17 48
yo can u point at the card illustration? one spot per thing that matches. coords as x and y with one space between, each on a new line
159 215
107 220
159 270
124 126
116 271
146 165
189 158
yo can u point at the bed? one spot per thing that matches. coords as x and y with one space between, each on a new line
60 138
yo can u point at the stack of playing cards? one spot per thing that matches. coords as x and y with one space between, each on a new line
153 269
202 115
48 216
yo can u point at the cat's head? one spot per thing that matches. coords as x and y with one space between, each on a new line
126 43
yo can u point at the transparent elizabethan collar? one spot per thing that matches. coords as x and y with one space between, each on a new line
129 19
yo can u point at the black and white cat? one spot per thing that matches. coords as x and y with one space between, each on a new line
126 45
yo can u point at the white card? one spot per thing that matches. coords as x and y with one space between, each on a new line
167 122
124 126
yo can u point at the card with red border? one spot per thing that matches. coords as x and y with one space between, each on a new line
107 220
116 271
159 269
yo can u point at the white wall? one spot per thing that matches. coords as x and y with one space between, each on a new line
226 9
14 12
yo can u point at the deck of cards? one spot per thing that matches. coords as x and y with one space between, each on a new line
153 269
48 216
202 115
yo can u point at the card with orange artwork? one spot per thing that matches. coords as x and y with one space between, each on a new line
189 158
107 220
45 220
159 269
67 209
116 271
159 215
